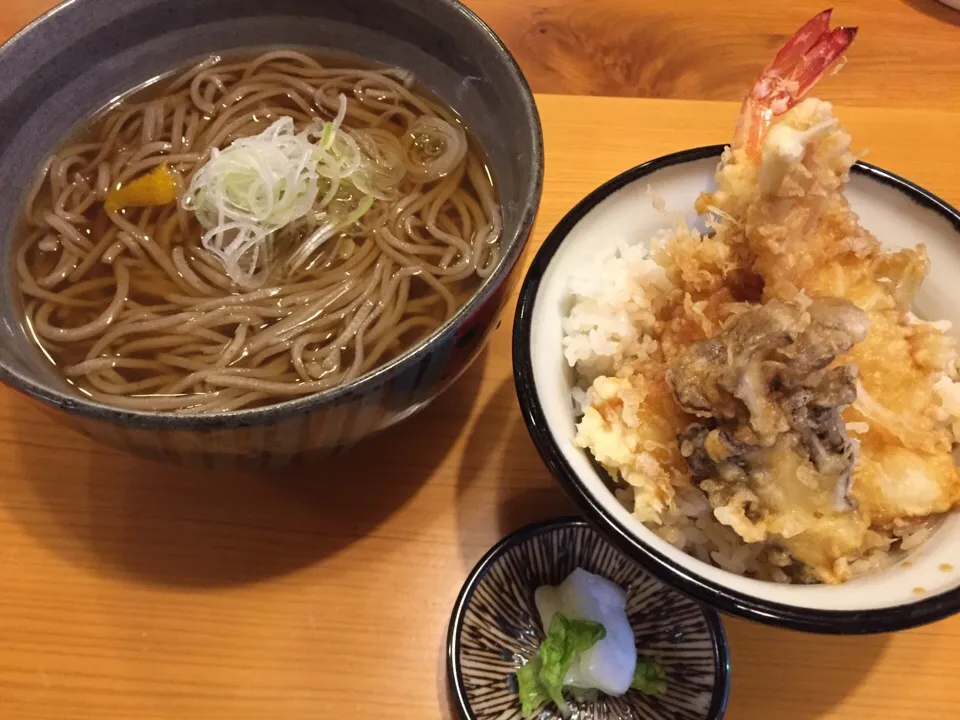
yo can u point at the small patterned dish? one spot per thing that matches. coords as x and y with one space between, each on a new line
495 629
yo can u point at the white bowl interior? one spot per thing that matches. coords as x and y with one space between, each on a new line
628 216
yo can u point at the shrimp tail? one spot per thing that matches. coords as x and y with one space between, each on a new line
807 59
799 65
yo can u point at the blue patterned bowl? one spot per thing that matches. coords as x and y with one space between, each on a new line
495 629
75 59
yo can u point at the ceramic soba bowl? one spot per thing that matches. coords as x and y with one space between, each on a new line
922 587
75 59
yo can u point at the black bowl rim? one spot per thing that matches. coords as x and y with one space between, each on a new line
514 244
721 649
721 597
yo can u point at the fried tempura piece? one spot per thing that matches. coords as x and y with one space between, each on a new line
771 450
630 426
892 484
787 219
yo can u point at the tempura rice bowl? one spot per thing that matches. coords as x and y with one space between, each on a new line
919 585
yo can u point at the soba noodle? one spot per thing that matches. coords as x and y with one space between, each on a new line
139 312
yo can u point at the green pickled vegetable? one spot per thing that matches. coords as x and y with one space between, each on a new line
532 693
541 679
650 677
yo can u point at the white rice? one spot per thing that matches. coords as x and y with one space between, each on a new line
612 311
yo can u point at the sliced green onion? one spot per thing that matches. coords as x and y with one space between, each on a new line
434 148
326 139
329 229
361 210
247 192
251 189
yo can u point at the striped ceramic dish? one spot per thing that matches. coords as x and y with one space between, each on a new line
495 629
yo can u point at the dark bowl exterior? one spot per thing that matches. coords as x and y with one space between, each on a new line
721 597
84 53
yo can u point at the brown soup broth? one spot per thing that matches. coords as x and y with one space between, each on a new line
134 309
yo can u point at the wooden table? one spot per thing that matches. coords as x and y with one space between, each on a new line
133 590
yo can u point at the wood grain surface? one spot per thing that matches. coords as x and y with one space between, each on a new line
130 589
906 55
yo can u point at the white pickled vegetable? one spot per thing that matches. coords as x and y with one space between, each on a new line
608 666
